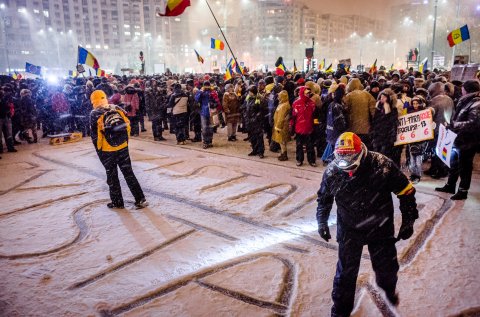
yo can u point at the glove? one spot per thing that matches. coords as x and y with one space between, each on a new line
406 230
324 231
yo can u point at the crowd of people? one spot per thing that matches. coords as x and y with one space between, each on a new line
312 109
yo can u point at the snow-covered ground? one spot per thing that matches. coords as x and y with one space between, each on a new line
225 235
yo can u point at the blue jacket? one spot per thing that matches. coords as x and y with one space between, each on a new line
203 97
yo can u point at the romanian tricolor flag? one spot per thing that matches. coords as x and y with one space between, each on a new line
174 8
444 153
373 68
423 65
347 69
216 44
72 73
199 58
237 68
280 70
322 65
87 58
100 72
458 36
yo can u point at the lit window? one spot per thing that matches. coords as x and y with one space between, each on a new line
36 11
22 10
137 33
126 33
97 46
45 13
88 46
137 27
126 26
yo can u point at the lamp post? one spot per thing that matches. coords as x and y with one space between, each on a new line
434 30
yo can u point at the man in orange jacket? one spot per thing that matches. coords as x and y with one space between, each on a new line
110 129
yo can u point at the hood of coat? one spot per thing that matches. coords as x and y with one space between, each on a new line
301 94
436 89
283 96
354 84
391 95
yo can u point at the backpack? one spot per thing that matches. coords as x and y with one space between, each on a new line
114 128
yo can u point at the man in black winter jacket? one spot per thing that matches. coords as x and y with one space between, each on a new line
361 183
465 123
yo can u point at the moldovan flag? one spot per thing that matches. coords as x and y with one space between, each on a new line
458 35
216 44
423 65
199 58
87 58
229 71
174 8
373 69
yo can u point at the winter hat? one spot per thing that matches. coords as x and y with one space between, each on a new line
228 86
253 89
269 80
280 79
382 78
348 143
420 100
422 92
206 83
98 99
471 85
326 83
374 84
25 92
300 81
339 92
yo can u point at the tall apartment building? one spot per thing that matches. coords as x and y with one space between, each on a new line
47 32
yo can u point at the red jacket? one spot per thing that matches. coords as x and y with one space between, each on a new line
302 113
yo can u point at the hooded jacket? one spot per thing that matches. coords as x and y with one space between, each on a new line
131 101
281 119
441 104
466 121
302 113
384 124
360 106
96 129
231 106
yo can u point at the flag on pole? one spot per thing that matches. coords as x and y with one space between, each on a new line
216 44
329 69
280 67
199 58
32 69
72 73
174 8
423 65
229 71
100 73
322 65
237 68
373 68
87 58
392 67
295 69
458 36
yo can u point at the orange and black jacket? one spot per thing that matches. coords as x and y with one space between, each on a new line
97 129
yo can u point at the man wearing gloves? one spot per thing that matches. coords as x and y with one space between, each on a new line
361 183
110 129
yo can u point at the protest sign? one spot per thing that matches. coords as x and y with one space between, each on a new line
415 127
445 144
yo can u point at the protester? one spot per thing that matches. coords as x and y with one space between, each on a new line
361 183
110 129
281 119
466 124
231 107
254 118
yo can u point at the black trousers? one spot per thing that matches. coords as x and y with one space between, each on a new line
134 126
383 255
462 167
307 140
181 126
157 128
256 141
121 158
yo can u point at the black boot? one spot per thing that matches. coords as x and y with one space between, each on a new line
283 157
460 195
446 189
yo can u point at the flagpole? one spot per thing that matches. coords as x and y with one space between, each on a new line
226 41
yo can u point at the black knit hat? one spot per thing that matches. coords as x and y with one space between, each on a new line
253 89
471 85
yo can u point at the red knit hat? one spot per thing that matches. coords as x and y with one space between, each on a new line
348 143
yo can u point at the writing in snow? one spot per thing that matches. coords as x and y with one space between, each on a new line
415 127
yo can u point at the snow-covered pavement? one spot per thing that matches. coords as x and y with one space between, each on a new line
225 235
